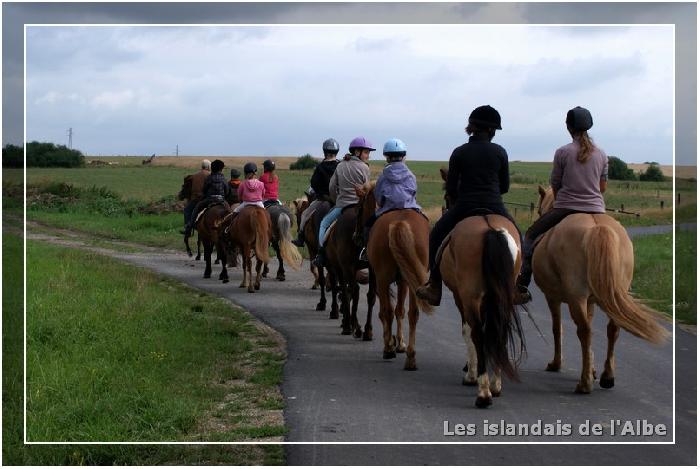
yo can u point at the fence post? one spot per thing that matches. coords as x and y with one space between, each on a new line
532 210
679 199
662 205
622 207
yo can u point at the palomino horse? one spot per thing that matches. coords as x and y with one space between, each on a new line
398 252
248 231
281 218
311 236
342 256
208 234
588 259
479 263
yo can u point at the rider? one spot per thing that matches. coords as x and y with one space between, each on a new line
252 190
271 182
395 189
351 173
216 190
478 175
579 178
197 184
234 183
320 181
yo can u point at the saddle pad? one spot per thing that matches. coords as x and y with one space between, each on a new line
328 233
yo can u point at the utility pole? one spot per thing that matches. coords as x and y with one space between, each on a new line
70 138
177 150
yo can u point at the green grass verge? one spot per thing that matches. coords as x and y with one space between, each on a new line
116 353
653 273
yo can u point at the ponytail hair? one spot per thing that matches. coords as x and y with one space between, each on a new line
587 146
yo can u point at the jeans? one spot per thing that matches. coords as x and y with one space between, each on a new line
328 221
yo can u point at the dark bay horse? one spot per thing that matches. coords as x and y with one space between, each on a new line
398 253
281 219
246 233
208 233
311 236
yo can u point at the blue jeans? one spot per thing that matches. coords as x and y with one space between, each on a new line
328 221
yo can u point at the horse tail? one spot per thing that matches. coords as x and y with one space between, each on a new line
606 283
402 245
290 254
262 239
500 320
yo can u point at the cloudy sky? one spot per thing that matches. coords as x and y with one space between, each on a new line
283 90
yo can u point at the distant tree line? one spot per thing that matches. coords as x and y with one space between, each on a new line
304 162
617 169
42 154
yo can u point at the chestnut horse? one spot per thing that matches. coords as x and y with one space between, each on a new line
588 259
397 250
250 230
208 233
311 239
281 218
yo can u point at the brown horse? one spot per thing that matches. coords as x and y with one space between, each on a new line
588 259
208 233
311 236
398 253
342 257
248 231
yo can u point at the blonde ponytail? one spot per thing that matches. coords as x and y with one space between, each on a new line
587 147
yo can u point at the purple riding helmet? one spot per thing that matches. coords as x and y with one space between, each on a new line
361 142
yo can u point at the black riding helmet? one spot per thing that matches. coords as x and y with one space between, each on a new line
250 168
268 165
217 166
235 174
579 119
331 146
485 116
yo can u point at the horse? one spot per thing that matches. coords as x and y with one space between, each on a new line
588 259
397 250
479 262
249 230
208 233
312 244
281 218
342 256
300 206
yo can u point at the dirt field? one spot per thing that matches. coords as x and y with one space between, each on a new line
230 161
683 172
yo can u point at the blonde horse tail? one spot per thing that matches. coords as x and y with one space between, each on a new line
605 282
403 247
262 239
290 254
500 320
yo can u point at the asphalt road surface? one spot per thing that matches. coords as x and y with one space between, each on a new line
339 389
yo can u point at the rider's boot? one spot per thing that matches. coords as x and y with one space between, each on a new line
431 291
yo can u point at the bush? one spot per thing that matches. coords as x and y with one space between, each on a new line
12 156
617 169
47 154
304 162
652 173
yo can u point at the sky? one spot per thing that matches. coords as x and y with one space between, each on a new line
282 90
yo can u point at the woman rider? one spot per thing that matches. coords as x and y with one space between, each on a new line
579 178
478 175
350 173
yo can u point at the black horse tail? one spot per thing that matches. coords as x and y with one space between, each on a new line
501 328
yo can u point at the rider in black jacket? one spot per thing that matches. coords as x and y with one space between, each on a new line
478 175
216 190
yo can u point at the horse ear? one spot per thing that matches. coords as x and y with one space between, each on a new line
443 173
541 190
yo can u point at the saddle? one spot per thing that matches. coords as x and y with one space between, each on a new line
211 204
472 213
270 203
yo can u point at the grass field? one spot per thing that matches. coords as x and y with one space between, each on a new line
653 273
131 358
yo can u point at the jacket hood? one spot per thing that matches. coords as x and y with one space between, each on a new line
396 172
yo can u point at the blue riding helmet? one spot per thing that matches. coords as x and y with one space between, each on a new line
394 147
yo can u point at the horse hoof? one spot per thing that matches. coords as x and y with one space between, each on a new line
251 290
367 336
389 355
314 287
468 381
198 258
410 365
346 331
217 261
333 315
207 275
551 366
257 286
483 402
401 349
224 280
606 382
580 389
496 393
321 307
358 333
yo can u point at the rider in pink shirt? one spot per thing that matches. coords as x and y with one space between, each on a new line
252 190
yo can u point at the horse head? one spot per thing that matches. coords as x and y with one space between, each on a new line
546 202
300 205
366 206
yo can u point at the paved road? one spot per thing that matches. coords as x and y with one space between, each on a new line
339 389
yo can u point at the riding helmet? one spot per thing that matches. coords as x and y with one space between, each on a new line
250 168
268 165
361 143
579 119
331 146
235 174
394 148
217 166
485 116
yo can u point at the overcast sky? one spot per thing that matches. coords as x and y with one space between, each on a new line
283 90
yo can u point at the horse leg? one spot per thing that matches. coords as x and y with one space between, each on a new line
199 248
258 276
334 295
591 309
266 270
607 379
496 383
579 313
412 323
355 288
555 309
207 258
186 239
249 267
244 263
483 397
469 378
315 273
280 269
345 306
223 276
399 313
371 300
321 306
386 315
